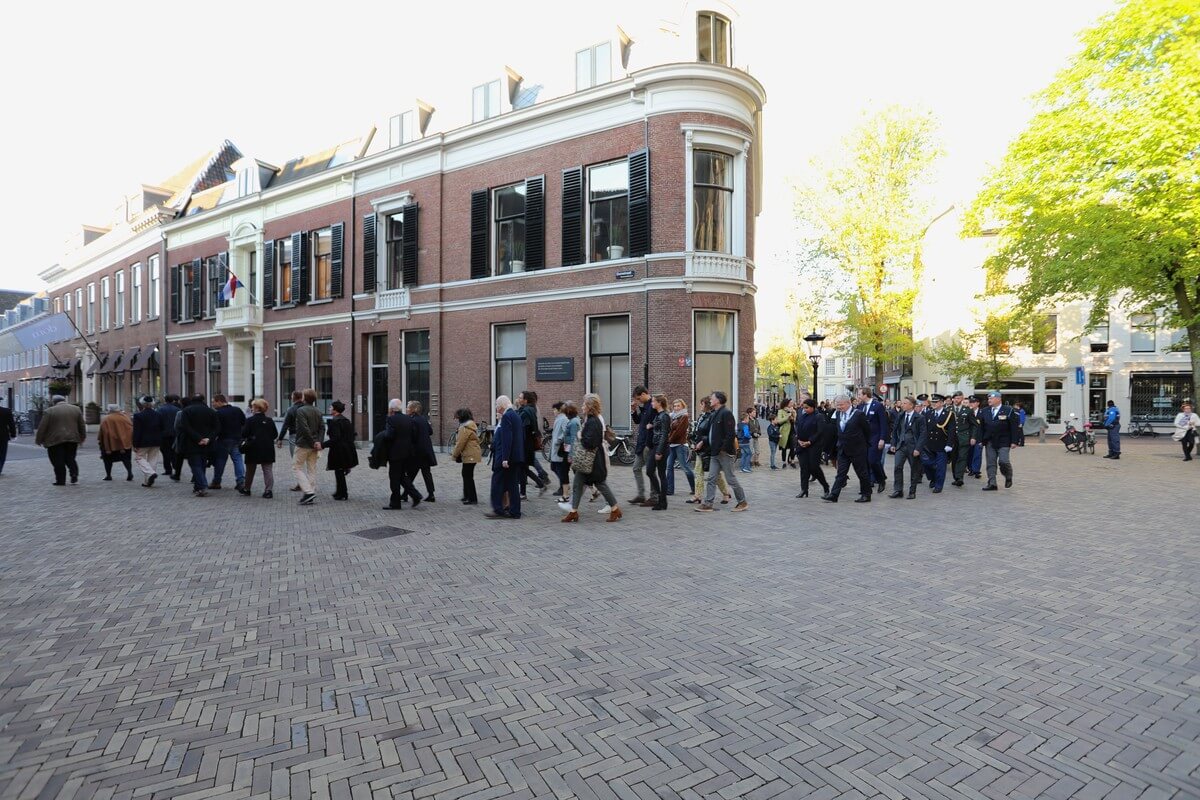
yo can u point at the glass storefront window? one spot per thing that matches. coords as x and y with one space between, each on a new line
712 359
608 348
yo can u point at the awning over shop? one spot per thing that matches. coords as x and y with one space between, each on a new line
110 364
147 358
72 365
126 360
98 366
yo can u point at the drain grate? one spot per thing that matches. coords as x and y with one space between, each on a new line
384 532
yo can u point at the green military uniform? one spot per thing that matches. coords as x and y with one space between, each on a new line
966 426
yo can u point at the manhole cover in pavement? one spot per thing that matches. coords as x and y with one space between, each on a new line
384 532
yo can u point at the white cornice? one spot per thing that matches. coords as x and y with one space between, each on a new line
116 252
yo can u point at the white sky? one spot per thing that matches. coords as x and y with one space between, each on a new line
98 101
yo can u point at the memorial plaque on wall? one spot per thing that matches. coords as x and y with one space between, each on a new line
554 369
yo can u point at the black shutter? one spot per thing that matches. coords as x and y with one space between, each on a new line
298 269
175 278
409 254
639 203
479 234
572 217
197 308
335 258
368 253
535 223
222 278
268 274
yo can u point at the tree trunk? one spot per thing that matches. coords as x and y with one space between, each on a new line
1194 347
1186 305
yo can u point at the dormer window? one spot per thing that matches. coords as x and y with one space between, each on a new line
245 181
400 129
713 39
593 66
485 101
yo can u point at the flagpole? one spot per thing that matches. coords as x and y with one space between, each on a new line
249 291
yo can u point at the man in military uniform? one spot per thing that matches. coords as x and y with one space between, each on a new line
999 435
975 468
940 437
908 441
967 433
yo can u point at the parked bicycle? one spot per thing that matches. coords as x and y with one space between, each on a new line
619 447
1079 441
1140 426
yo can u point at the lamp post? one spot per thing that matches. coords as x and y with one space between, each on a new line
813 340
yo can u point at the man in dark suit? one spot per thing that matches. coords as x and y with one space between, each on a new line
853 442
401 437
908 440
939 443
508 457
172 461
8 430
881 434
424 457
1000 433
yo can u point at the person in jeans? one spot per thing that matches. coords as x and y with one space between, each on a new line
591 437
660 446
259 434
642 412
755 435
198 428
61 431
288 428
343 455
166 429
468 453
565 432
721 433
147 439
745 442
1112 424
309 432
704 460
680 452
773 441
233 419
526 408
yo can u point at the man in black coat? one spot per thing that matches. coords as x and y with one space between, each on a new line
423 457
401 436
908 441
172 461
8 430
853 441
1001 431
940 436
199 427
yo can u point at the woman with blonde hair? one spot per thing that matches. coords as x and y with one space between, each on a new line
258 447
590 448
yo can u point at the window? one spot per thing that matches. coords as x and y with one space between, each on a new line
214 276
105 295
416 367
609 368
188 373
509 347
379 382
712 39
285 374
400 129
212 359
509 203
119 311
283 271
1045 334
322 373
608 205
245 181
713 355
135 294
1054 401
485 101
1098 338
91 308
58 307
152 297
1141 339
1157 397
713 200
1178 341
593 66
394 238
322 266
79 310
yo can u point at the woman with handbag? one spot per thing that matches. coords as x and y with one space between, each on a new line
589 463
1187 428
468 453
343 455
258 448
566 431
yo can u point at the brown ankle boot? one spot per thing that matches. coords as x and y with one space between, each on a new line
614 515
571 517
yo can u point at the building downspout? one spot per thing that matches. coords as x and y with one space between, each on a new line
646 278
163 313
353 330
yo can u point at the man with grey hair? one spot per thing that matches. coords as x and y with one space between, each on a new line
147 440
61 431
508 456
853 442
401 438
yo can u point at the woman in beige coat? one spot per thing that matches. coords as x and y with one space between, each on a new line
468 453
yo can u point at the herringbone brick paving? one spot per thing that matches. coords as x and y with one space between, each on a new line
1034 643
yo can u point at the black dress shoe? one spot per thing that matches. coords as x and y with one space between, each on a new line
912 495
881 486
430 499
991 487
109 477
863 498
896 494
826 495
958 483
829 498
392 508
937 490
802 494
1008 483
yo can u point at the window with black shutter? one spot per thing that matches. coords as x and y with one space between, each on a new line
336 262
268 274
572 217
409 247
299 270
176 275
368 252
608 201
479 234
639 203
535 223
197 287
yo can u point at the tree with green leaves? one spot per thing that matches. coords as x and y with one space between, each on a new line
984 355
1099 198
862 219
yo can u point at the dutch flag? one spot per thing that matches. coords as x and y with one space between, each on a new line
229 290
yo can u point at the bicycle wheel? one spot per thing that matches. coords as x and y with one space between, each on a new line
624 454
1135 430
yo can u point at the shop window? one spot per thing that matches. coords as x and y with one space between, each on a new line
713 354
609 368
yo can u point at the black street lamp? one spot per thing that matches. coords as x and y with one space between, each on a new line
814 340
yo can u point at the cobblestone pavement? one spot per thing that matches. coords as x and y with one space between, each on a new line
1039 642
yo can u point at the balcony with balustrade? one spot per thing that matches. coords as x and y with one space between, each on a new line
240 320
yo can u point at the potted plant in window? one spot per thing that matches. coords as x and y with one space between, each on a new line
617 236
518 256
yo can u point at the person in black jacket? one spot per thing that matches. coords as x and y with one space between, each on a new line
530 468
811 433
642 414
722 444
343 455
401 437
1000 433
199 427
166 418
424 457
8 430
660 436
258 435
908 442
853 439
147 439
288 429
233 419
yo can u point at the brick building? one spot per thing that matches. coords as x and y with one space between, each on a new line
587 242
